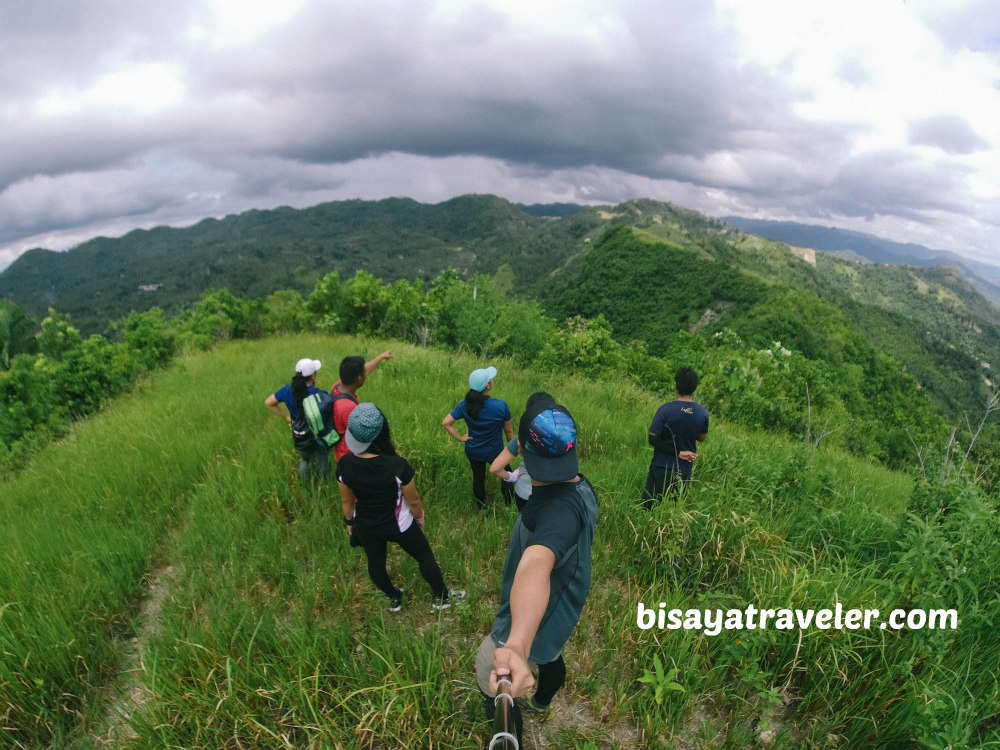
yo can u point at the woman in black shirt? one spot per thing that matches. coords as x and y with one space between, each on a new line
380 504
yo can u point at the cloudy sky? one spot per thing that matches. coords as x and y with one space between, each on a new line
876 115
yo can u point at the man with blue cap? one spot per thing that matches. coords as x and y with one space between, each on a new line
546 575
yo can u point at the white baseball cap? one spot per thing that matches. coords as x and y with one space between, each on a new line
307 367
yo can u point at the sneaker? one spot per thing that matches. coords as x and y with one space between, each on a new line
452 597
540 712
396 602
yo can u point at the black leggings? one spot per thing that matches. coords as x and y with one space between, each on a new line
551 677
479 483
415 544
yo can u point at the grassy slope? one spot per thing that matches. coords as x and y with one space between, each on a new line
270 634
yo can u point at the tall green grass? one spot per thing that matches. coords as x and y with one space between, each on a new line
271 635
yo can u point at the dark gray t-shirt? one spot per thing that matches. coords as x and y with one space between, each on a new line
562 517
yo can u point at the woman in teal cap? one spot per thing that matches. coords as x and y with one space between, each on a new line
489 422
381 505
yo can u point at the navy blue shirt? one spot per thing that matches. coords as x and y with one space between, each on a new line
486 435
680 422
284 395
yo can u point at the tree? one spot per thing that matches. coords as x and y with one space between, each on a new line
286 311
220 315
326 302
405 310
148 334
58 336
584 346
16 334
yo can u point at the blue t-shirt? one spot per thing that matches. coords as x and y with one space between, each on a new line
486 433
683 422
284 395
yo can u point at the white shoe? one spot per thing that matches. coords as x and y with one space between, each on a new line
453 597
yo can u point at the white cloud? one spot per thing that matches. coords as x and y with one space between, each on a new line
144 89
223 24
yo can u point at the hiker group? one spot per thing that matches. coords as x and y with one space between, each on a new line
547 571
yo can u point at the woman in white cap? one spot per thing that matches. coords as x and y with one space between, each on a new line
381 505
304 438
488 421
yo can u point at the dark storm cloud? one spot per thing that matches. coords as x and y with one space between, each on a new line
655 95
951 134
894 183
51 43
345 86
43 204
652 96
83 144
52 46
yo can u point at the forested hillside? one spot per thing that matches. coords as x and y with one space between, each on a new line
985 277
259 252
931 319
661 295
169 583
930 322
878 345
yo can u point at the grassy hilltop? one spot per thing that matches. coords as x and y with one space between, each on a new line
166 582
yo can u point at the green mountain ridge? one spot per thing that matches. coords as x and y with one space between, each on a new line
859 245
697 274
657 280
257 252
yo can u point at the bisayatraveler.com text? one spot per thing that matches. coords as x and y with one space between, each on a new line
714 621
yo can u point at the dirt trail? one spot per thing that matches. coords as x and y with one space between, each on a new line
127 695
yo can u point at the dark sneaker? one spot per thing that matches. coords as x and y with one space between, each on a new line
396 602
540 712
451 597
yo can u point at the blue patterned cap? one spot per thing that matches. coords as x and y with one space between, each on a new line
363 426
548 442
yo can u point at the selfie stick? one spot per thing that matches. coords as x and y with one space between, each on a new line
503 736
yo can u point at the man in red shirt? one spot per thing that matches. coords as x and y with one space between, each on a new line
353 373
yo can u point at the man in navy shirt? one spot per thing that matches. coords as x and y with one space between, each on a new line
676 429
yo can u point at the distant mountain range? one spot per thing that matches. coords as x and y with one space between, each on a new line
985 277
843 243
689 274
257 252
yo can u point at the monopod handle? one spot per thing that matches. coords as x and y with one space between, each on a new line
504 732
